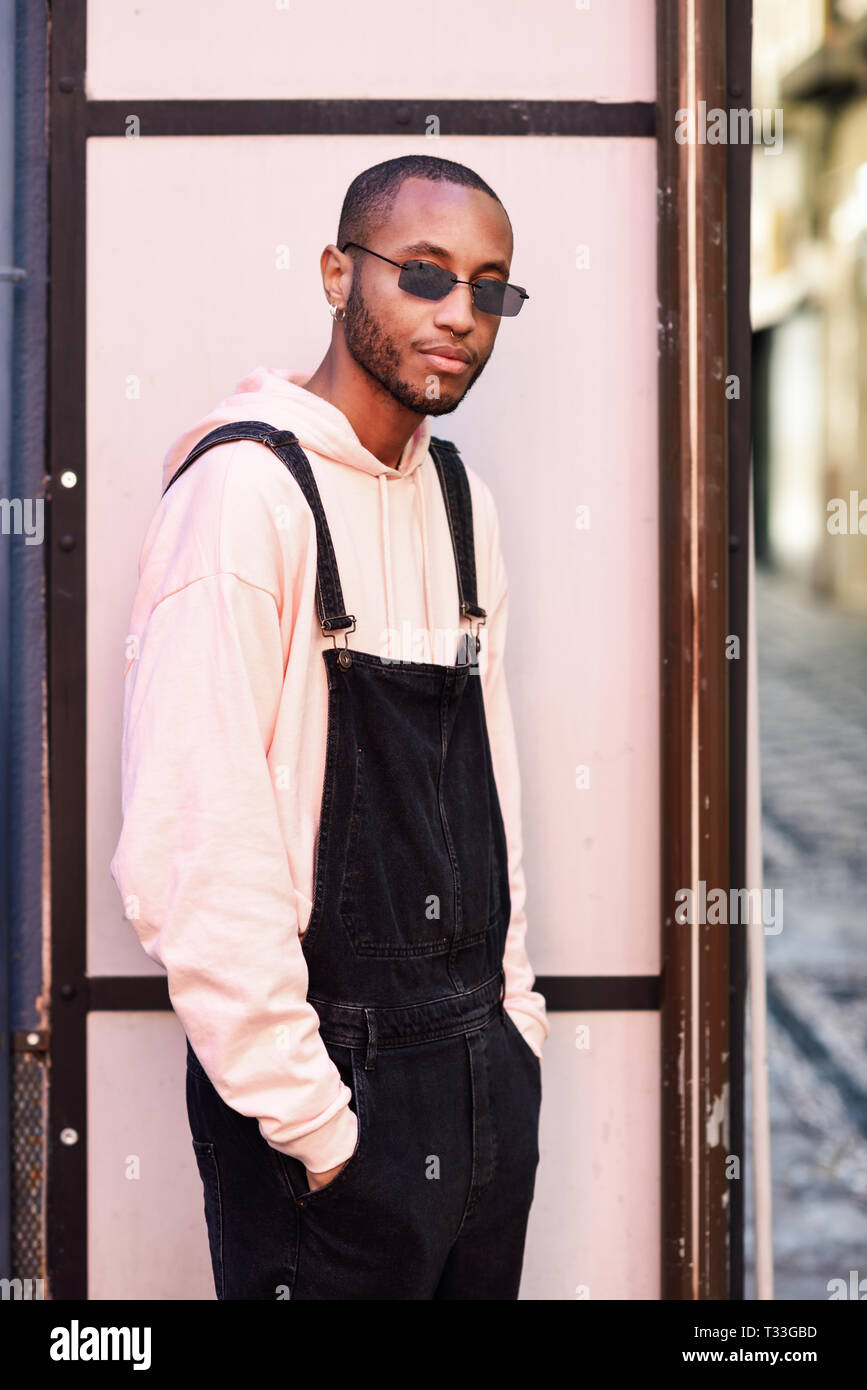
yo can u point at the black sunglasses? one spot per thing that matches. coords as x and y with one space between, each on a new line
429 281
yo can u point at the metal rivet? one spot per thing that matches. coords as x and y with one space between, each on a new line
344 659
66 543
68 478
69 1136
67 84
32 1039
67 991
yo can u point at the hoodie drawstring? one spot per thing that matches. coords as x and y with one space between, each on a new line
386 552
428 605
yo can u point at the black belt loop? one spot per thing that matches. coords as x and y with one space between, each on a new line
370 1056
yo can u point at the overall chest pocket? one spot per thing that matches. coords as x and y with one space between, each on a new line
409 876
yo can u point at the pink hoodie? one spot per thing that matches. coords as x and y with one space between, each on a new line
224 731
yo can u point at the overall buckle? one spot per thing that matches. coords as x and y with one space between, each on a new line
344 622
470 611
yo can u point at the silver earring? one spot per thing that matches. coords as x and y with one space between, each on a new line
337 313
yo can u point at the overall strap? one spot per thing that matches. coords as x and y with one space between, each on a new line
329 594
459 510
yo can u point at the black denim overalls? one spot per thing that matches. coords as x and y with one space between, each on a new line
404 949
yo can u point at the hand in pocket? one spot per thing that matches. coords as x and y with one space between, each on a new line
317 1180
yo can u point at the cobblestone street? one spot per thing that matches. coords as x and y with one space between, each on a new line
812 670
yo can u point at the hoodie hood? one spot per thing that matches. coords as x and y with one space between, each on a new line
278 397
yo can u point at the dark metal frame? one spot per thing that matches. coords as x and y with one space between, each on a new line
739 90
66 1163
371 117
73 119
699 608
563 993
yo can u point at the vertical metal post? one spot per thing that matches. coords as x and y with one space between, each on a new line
739 85
694 624
66 1146
7 256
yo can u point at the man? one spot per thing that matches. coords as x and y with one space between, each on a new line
321 823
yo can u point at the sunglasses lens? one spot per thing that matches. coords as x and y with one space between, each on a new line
495 297
425 280
428 281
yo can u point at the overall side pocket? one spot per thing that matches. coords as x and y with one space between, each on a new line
350 1073
522 1041
206 1159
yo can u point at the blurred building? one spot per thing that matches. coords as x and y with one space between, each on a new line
809 293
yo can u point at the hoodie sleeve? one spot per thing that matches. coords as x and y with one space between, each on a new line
202 868
525 1005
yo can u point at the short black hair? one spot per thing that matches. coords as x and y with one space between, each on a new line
372 193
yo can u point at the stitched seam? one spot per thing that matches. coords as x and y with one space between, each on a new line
470 1199
456 1031
292 1262
226 472
212 1155
215 575
230 461
405 1008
